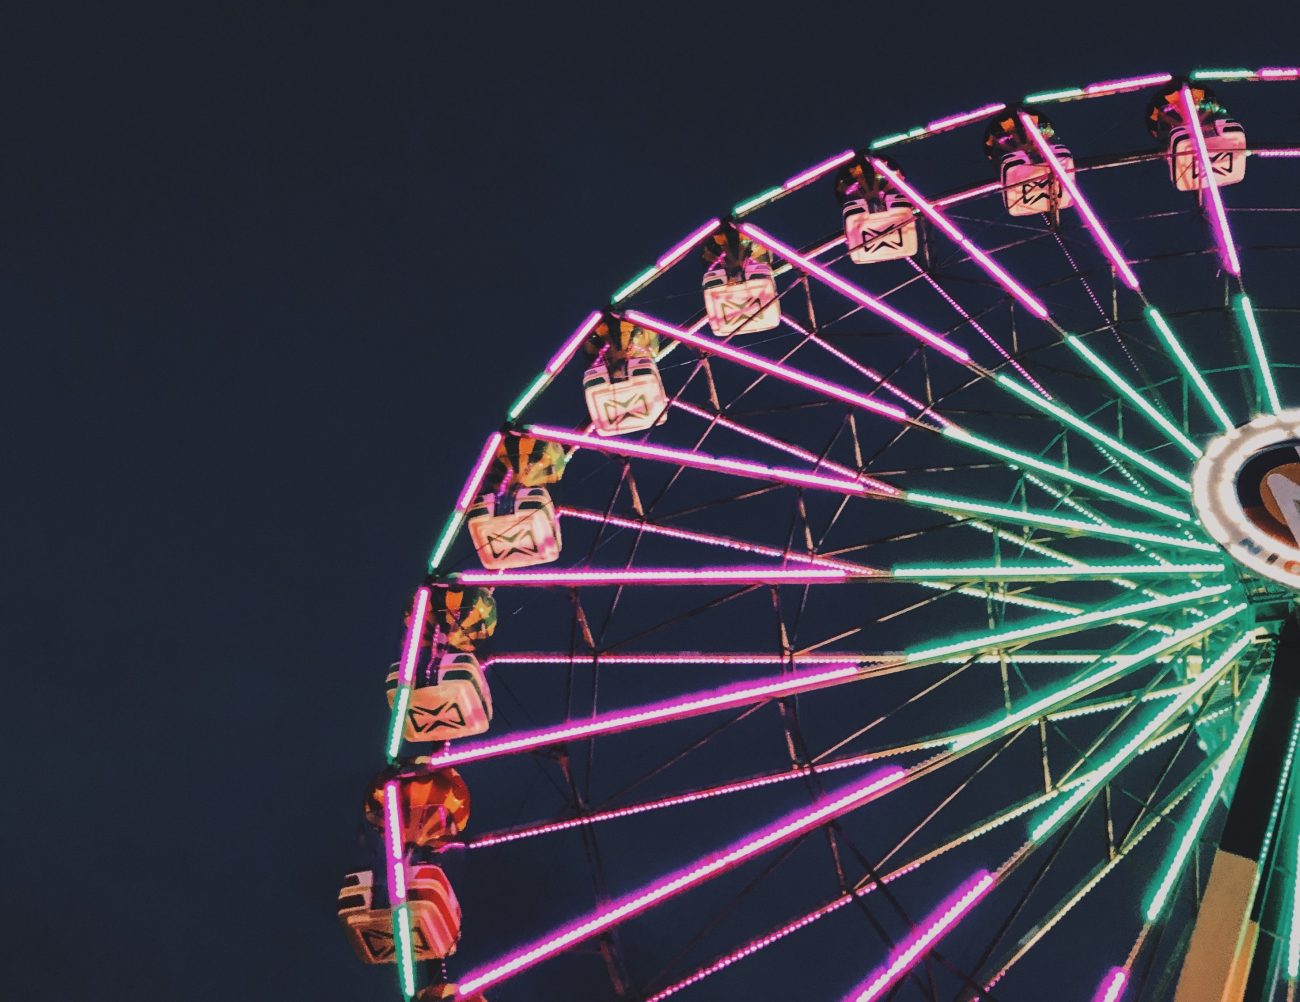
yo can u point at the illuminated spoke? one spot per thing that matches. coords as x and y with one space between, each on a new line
1188 367
1258 356
1210 186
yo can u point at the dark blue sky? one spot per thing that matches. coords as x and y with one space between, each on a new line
248 251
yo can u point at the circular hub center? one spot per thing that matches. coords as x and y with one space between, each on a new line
1246 490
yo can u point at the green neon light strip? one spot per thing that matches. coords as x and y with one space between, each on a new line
883 141
1061 473
405 955
640 281
1054 95
1137 399
1046 520
1115 666
984 595
1071 624
1189 368
526 398
444 541
1124 754
1091 431
749 205
1046 572
1258 356
397 720
1223 74
1208 799
1293 938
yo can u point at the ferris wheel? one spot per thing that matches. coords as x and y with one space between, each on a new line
887 594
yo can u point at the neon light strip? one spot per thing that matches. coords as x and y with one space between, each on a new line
1208 799
449 531
758 436
1045 96
1132 395
763 197
1279 73
1223 74
683 707
406 670
1293 933
1288 152
637 283
816 171
405 955
904 956
709 539
1093 221
1126 83
996 271
1126 751
675 576
791 826
1112 985
854 293
1091 431
1046 572
1115 666
749 360
1218 216
1047 520
746 658
1037 631
952 121
678 251
1189 368
396 871
704 461
1258 356
558 361
476 476
1017 458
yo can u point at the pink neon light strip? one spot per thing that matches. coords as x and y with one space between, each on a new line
979 328
791 826
999 274
393 844
969 193
687 242
678 576
1279 73
966 116
1288 152
1126 83
863 370
709 539
411 645
749 360
1218 216
817 170
476 476
758 436
690 705
704 461
574 342
736 658
1112 986
675 800
1067 182
857 295
907 953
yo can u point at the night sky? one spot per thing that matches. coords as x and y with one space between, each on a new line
249 252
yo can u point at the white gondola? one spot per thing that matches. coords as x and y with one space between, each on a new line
1029 186
527 535
749 304
623 406
1225 141
884 235
435 916
457 705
